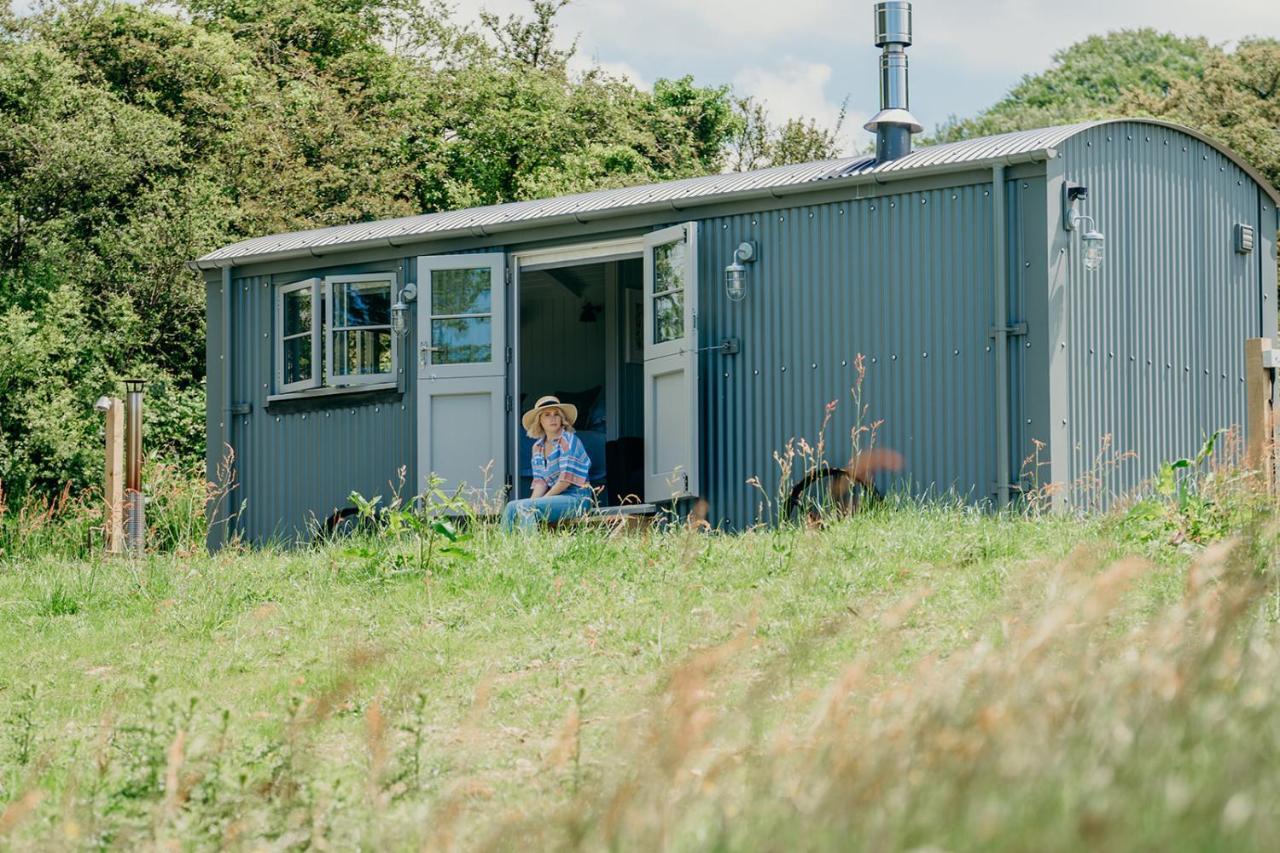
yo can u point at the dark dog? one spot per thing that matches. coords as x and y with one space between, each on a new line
849 485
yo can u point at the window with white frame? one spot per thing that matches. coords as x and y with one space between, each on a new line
335 332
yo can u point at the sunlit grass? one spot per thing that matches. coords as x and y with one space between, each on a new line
909 676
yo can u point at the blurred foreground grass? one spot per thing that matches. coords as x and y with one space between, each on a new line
908 677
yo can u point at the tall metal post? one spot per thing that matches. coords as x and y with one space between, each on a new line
135 522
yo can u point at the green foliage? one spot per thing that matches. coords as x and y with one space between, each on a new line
1093 78
412 535
1191 502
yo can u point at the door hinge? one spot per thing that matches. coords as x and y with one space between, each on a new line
509 354
507 274
1013 330
508 402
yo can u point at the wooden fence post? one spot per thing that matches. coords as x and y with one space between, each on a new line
1259 443
114 485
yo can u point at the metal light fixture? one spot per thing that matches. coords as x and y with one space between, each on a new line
1073 220
735 275
400 311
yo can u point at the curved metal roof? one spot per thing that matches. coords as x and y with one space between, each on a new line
1020 146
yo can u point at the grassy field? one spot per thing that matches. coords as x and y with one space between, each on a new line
911 677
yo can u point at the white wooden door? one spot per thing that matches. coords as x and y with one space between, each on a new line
461 374
671 363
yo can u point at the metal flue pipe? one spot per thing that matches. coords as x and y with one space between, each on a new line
135 523
894 124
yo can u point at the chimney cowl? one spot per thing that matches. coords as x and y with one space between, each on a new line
894 124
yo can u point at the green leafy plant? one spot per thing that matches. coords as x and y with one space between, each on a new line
411 535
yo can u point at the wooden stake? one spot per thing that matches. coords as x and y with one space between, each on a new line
115 477
1259 448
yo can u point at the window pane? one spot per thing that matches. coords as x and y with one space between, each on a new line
362 303
297 359
668 267
668 317
461 291
362 353
297 312
461 341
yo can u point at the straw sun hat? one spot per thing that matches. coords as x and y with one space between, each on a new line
530 418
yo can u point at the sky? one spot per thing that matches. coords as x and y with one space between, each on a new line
803 57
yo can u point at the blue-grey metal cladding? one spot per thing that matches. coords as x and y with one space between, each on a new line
297 462
904 280
1156 337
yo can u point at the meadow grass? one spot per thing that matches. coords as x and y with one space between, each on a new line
913 676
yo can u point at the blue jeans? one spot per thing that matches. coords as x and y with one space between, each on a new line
525 514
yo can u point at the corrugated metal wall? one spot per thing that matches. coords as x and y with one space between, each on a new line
907 281
1156 337
298 461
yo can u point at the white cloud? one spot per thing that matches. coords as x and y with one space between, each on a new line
795 89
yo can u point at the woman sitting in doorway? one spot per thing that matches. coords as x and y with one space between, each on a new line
560 468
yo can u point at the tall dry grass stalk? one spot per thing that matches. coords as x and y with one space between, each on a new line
1053 730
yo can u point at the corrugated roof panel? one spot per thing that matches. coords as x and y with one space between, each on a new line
709 189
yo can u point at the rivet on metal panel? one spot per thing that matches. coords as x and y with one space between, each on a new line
895 357
1148 362
1206 371
753 222
1166 142
986 192
1025 185
221 424
844 364
873 208
277 419
955 352
1064 421
875 359
1062 345
377 409
841 211
1027 264
326 414
1090 350
893 204
814 365
264 336
924 355
402 408
726 376
1186 368
782 219
1184 148
1111 355
264 385
1133 358
1088 144
811 214
1148 138
219 358
1168 366
954 196
304 417
784 368
1028 420
353 411
1108 138
924 201
1027 344
724 227
988 349
755 373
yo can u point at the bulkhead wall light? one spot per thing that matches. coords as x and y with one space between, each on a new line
400 311
735 275
1073 220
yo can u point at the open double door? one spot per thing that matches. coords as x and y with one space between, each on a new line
464 370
